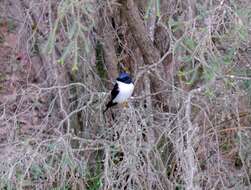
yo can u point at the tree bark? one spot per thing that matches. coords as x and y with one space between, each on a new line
149 52
111 60
140 34
105 30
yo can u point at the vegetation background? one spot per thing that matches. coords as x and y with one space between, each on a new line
187 125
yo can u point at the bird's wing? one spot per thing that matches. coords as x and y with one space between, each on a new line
115 91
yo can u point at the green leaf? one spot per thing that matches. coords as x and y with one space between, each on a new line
243 33
158 8
67 51
247 84
208 74
229 56
87 6
174 25
181 73
209 93
194 73
149 8
52 38
49 44
190 43
36 171
73 30
186 58
74 68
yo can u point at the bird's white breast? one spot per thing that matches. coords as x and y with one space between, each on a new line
125 92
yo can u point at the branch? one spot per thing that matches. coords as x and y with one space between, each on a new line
149 52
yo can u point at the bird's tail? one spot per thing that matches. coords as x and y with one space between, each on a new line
110 104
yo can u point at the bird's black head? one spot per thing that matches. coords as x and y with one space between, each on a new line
125 78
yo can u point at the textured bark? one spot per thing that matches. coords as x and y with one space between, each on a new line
111 60
105 30
140 34
149 52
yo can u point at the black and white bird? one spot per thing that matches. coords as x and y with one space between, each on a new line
121 91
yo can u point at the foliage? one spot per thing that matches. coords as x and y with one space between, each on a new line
191 133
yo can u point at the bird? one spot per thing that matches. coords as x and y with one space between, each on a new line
121 91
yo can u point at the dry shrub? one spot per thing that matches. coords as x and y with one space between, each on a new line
194 133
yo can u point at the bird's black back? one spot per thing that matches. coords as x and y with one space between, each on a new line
114 93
